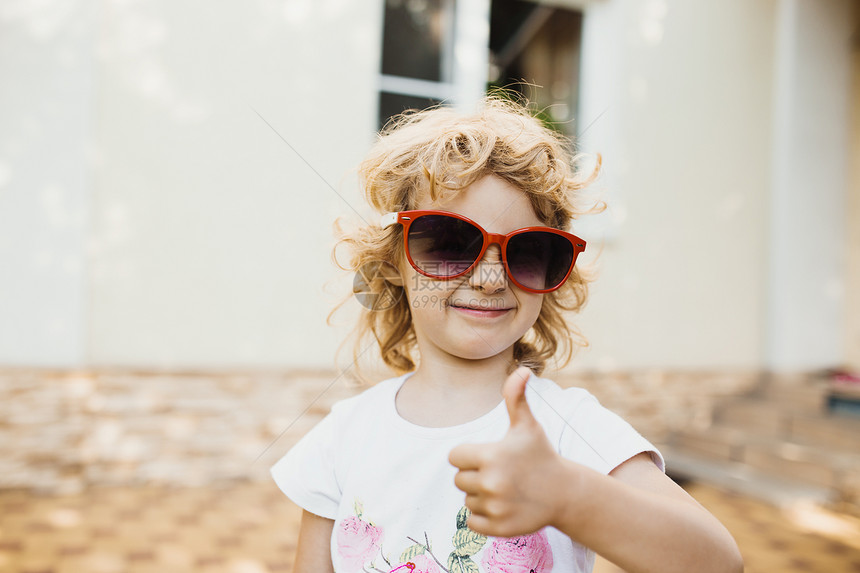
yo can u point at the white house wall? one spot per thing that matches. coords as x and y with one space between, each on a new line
215 233
677 95
47 97
807 263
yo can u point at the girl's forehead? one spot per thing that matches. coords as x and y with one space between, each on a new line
494 203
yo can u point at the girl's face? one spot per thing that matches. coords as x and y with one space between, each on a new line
482 313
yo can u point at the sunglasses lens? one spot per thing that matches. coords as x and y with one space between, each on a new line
539 260
443 246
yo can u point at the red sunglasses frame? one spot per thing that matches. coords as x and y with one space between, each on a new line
406 219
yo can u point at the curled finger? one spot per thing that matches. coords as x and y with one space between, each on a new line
466 456
480 524
476 504
467 481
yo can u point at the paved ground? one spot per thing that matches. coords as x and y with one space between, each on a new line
250 528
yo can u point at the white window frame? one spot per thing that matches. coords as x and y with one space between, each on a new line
465 59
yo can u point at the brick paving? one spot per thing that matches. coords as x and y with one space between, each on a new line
63 432
251 528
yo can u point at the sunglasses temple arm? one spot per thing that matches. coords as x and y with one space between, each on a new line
388 219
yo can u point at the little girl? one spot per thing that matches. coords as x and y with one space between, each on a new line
468 461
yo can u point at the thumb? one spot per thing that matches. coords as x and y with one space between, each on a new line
514 392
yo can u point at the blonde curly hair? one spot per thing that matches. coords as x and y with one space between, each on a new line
436 153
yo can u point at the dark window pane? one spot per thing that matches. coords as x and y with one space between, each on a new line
413 38
506 19
535 50
393 104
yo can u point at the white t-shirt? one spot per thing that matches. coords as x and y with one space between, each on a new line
389 488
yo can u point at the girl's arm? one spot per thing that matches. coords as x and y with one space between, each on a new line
643 521
314 548
636 517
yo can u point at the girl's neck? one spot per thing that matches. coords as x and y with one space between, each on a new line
451 392
465 376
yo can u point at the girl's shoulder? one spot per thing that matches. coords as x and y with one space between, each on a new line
543 393
560 410
376 396
584 430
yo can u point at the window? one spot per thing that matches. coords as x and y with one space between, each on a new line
450 51
433 51
417 49
535 50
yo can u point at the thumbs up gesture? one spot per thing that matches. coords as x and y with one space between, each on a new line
512 486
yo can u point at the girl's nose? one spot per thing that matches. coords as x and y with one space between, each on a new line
489 275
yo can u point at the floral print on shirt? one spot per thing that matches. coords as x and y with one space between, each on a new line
359 545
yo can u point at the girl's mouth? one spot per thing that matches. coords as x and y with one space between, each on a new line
480 311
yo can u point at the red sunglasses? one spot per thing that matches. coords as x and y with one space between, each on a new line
445 245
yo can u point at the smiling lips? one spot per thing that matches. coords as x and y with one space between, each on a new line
480 310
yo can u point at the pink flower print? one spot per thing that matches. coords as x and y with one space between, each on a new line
525 554
357 543
418 564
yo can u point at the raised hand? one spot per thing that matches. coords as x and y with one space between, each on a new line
513 486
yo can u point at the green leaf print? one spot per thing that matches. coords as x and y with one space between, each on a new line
411 552
462 516
358 507
467 542
460 564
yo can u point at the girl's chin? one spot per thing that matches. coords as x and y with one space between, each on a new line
481 349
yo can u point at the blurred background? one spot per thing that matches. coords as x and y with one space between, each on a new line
169 177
